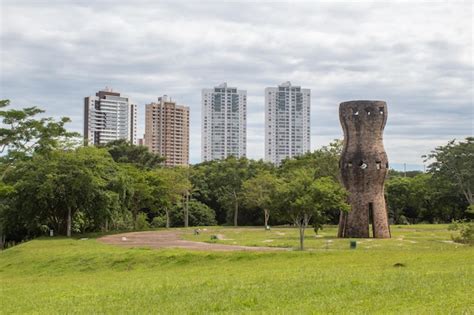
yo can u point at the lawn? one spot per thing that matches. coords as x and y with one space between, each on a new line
61 275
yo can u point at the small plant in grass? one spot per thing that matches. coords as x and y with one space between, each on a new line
158 222
141 222
466 231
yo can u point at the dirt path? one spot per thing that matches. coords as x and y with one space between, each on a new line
171 239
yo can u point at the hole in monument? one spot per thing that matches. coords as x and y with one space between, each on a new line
362 165
356 113
381 110
378 165
371 217
386 165
349 164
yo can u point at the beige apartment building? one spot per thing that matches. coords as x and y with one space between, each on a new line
167 131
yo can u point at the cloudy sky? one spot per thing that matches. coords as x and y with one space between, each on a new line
417 56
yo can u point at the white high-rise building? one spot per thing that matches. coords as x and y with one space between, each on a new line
224 123
109 116
287 122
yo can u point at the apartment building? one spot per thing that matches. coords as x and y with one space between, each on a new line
109 116
223 123
287 122
167 130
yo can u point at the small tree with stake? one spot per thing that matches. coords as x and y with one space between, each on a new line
303 197
260 192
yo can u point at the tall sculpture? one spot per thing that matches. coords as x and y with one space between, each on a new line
364 166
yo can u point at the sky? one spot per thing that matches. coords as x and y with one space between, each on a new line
415 55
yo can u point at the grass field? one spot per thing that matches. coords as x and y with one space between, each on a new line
83 276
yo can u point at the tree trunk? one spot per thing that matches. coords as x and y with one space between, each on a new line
267 216
167 218
302 223
134 218
69 222
236 209
301 227
2 241
106 225
186 210
236 213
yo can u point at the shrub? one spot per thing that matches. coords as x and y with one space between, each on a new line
142 223
159 221
466 232
199 215
122 221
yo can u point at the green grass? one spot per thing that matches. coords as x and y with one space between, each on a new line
417 237
83 276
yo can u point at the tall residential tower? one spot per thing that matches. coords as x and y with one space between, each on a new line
287 122
109 116
224 123
167 131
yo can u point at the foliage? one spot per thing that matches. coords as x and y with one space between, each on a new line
454 162
199 215
261 192
141 222
423 198
303 197
466 231
168 186
124 152
220 183
158 222
323 162
21 134
137 192
50 190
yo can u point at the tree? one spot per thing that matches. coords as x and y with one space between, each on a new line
51 189
303 197
454 162
21 134
423 197
124 152
228 179
168 185
137 192
219 184
199 214
322 162
260 192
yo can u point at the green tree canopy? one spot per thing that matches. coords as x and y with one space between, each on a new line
454 162
22 134
302 197
51 189
261 192
124 152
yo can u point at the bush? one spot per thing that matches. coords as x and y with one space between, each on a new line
466 232
199 215
159 221
142 223
122 221
402 220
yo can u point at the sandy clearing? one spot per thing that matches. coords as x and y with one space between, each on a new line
171 239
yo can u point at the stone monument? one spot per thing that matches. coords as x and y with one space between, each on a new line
364 166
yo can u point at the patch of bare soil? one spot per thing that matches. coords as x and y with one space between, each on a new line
171 239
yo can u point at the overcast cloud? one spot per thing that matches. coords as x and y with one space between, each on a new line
416 56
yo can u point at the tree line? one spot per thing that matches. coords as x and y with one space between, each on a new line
50 181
